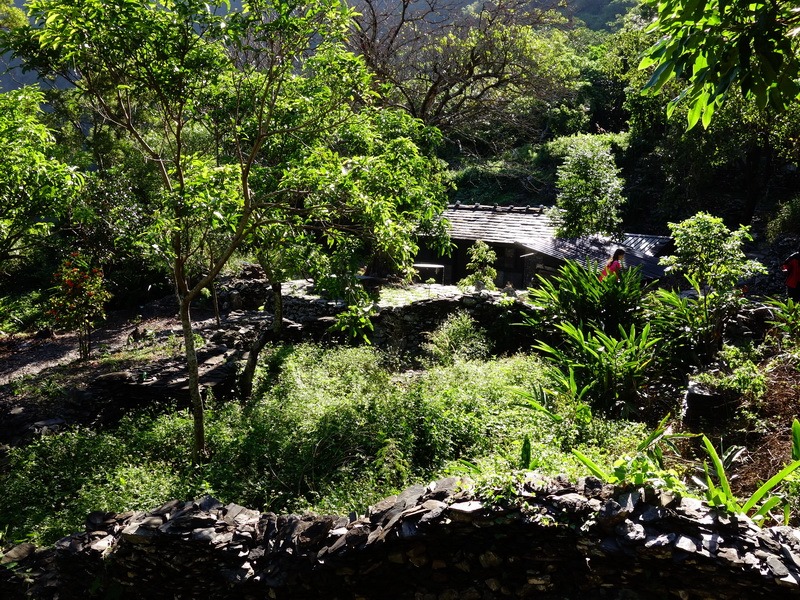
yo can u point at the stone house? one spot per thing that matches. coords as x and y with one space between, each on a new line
524 240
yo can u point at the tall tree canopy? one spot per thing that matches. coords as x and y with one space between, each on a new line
589 189
10 15
713 44
238 111
34 185
459 66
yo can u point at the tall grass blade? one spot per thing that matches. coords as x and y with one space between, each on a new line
596 470
771 503
770 483
730 499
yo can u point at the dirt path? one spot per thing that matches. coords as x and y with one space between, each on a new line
28 354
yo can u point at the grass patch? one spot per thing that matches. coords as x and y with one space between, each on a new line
22 312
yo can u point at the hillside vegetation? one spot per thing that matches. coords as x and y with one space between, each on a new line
167 144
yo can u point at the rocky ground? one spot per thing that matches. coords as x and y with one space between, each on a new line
44 386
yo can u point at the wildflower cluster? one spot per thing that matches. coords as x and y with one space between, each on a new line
78 298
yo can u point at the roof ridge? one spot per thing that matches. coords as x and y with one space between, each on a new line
527 208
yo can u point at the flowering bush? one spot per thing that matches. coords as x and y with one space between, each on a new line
78 298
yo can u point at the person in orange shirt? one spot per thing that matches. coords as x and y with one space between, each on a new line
791 266
613 264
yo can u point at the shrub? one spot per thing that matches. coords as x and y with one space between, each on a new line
688 336
577 296
589 189
737 373
481 266
711 259
457 338
328 429
785 322
786 220
613 370
316 434
20 312
79 297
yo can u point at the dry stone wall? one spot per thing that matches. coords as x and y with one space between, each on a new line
550 539
401 328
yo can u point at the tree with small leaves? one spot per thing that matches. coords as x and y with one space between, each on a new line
589 190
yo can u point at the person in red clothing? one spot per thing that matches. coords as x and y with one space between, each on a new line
791 266
613 264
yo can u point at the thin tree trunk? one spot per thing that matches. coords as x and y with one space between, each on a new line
199 445
249 371
214 297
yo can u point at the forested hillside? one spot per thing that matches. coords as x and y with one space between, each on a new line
170 147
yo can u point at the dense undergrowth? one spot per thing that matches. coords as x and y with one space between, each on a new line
334 429
330 429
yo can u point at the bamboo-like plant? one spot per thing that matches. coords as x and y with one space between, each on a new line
761 502
616 365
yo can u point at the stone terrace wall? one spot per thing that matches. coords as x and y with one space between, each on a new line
553 540
400 328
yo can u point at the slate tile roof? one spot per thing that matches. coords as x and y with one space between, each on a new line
530 229
498 225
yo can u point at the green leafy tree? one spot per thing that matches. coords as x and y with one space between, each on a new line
589 190
10 15
711 259
34 187
369 190
481 266
736 163
234 109
711 255
483 72
713 45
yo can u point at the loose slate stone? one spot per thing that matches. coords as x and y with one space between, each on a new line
99 520
776 567
766 541
379 510
611 514
408 530
630 500
631 532
687 544
571 502
103 544
18 553
665 539
467 508
443 488
308 556
711 541
789 554
138 535
411 495
792 580
203 535
652 514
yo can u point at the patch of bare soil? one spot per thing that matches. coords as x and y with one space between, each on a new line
28 354
41 375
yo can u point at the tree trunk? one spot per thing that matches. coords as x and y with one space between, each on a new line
199 445
214 297
249 371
